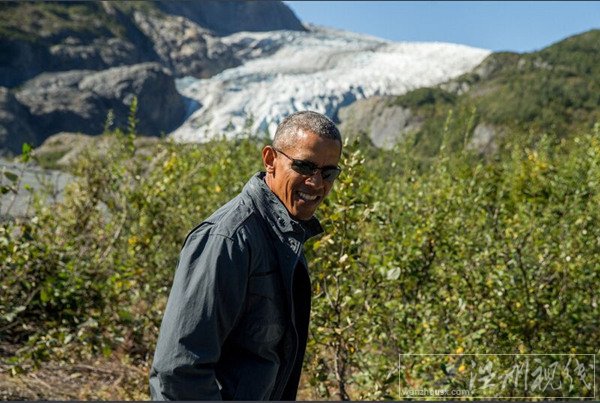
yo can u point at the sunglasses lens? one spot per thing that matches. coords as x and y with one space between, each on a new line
304 167
330 174
308 168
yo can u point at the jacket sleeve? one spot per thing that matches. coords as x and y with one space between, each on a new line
205 300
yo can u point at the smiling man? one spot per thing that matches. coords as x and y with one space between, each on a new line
236 322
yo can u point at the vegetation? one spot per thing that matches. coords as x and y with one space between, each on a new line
464 255
430 248
555 90
46 22
449 253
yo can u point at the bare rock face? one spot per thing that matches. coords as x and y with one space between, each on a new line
185 47
66 148
225 17
67 145
181 35
78 101
484 139
66 36
14 126
20 60
66 64
23 60
384 124
72 53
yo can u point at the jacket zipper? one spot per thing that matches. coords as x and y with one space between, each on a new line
290 367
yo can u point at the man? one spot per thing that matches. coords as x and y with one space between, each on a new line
236 322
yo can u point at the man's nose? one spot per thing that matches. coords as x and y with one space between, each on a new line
316 179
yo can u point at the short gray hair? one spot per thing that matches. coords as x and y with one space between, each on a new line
308 121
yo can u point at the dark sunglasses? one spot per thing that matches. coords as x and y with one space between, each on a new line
307 168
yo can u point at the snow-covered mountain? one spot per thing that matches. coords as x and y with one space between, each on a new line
322 70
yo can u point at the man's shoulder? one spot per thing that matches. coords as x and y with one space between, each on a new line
237 216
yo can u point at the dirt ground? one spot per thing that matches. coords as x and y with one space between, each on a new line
98 379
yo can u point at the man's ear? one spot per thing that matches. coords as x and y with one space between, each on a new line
268 157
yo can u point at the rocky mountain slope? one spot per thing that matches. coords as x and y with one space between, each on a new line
72 40
183 36
555 90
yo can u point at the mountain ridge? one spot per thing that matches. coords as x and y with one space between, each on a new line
554 90
215 82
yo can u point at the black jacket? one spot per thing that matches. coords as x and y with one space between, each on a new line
236 322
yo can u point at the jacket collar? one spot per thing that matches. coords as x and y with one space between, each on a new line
273 210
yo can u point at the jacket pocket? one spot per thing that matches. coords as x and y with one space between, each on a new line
266 308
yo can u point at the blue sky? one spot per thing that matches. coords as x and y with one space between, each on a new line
519 26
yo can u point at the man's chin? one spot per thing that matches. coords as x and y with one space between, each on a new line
304 210
303 215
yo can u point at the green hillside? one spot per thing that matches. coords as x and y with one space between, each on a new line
45 22
555 90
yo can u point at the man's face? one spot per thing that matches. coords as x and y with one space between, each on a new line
301 194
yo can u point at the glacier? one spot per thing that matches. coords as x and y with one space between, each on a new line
322 69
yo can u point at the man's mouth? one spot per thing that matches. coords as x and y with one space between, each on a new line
307 197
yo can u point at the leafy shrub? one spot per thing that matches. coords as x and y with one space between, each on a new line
96 268
451 253
464 255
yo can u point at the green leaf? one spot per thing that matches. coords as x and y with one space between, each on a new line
106 351
11 176
44 297
26 152
5 189
125 315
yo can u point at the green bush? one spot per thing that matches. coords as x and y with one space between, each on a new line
96 268
439 255
490 257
